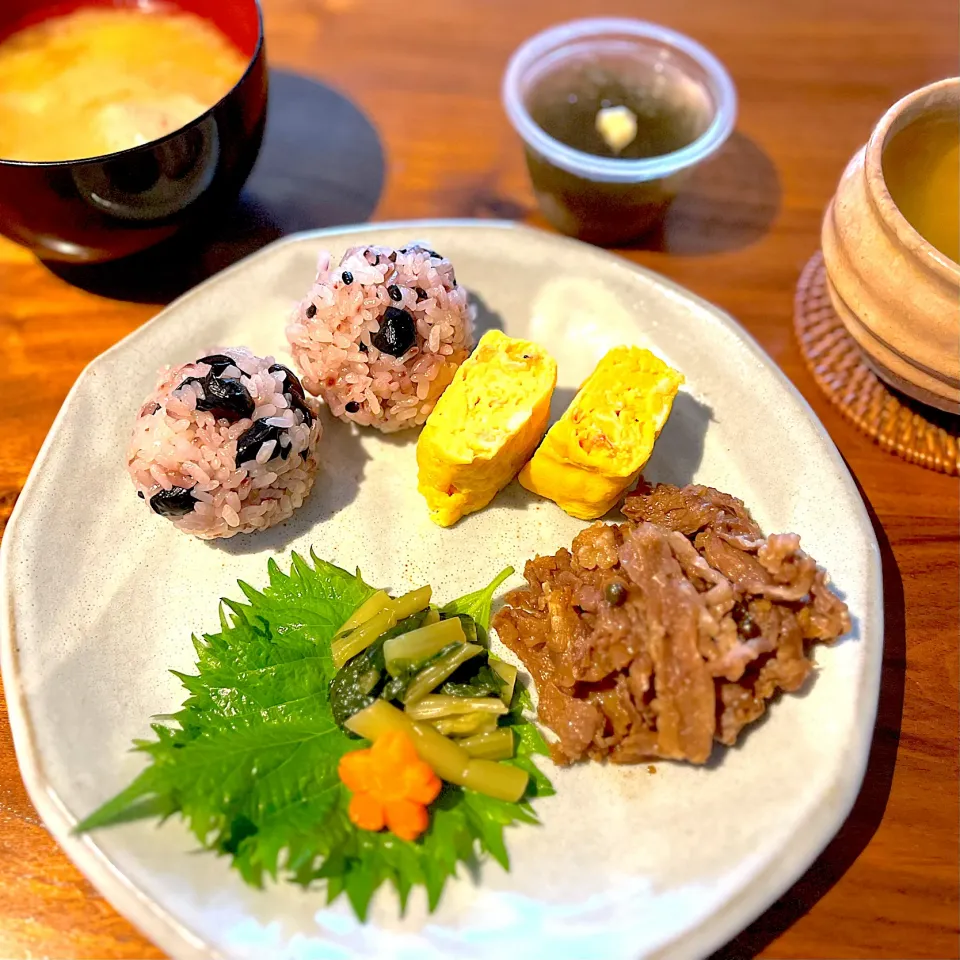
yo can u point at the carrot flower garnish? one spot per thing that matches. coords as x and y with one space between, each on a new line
391 786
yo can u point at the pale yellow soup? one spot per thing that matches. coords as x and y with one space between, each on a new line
100 80
921 166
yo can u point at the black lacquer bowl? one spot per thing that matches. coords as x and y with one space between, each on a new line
104 208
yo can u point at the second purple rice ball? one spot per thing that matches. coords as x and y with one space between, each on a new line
380 336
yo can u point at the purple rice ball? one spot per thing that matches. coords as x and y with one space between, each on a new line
380 336
225 445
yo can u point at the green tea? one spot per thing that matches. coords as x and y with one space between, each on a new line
921 166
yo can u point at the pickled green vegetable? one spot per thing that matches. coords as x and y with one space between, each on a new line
470 630
436 672
361 680
494 745
412 602
475 678
438 705
374 617
494 779
358 639
415 647
365 611
465 725
507 673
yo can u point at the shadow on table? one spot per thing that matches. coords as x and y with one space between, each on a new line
728 203
321 164
867 812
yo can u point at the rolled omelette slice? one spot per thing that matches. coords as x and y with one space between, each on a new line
485 425
599 446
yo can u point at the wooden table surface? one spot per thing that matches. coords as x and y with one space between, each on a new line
416 130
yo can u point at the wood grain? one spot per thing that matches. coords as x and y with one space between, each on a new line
416 130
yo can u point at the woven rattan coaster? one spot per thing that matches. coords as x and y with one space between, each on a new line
902 426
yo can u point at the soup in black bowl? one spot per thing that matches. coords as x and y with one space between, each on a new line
121 125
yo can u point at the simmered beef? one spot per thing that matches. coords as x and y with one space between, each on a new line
657 637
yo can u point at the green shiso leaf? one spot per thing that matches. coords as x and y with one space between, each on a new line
477 605
250 760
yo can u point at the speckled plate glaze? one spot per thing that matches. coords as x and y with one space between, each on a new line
100 599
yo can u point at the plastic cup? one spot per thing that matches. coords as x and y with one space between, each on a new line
606 199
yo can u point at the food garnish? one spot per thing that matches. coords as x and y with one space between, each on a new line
658 637
391 786
264 761
617 126
430 677
596 450
485 426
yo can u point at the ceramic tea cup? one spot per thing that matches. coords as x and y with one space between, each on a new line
897 294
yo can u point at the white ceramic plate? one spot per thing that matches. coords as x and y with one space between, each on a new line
100 599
